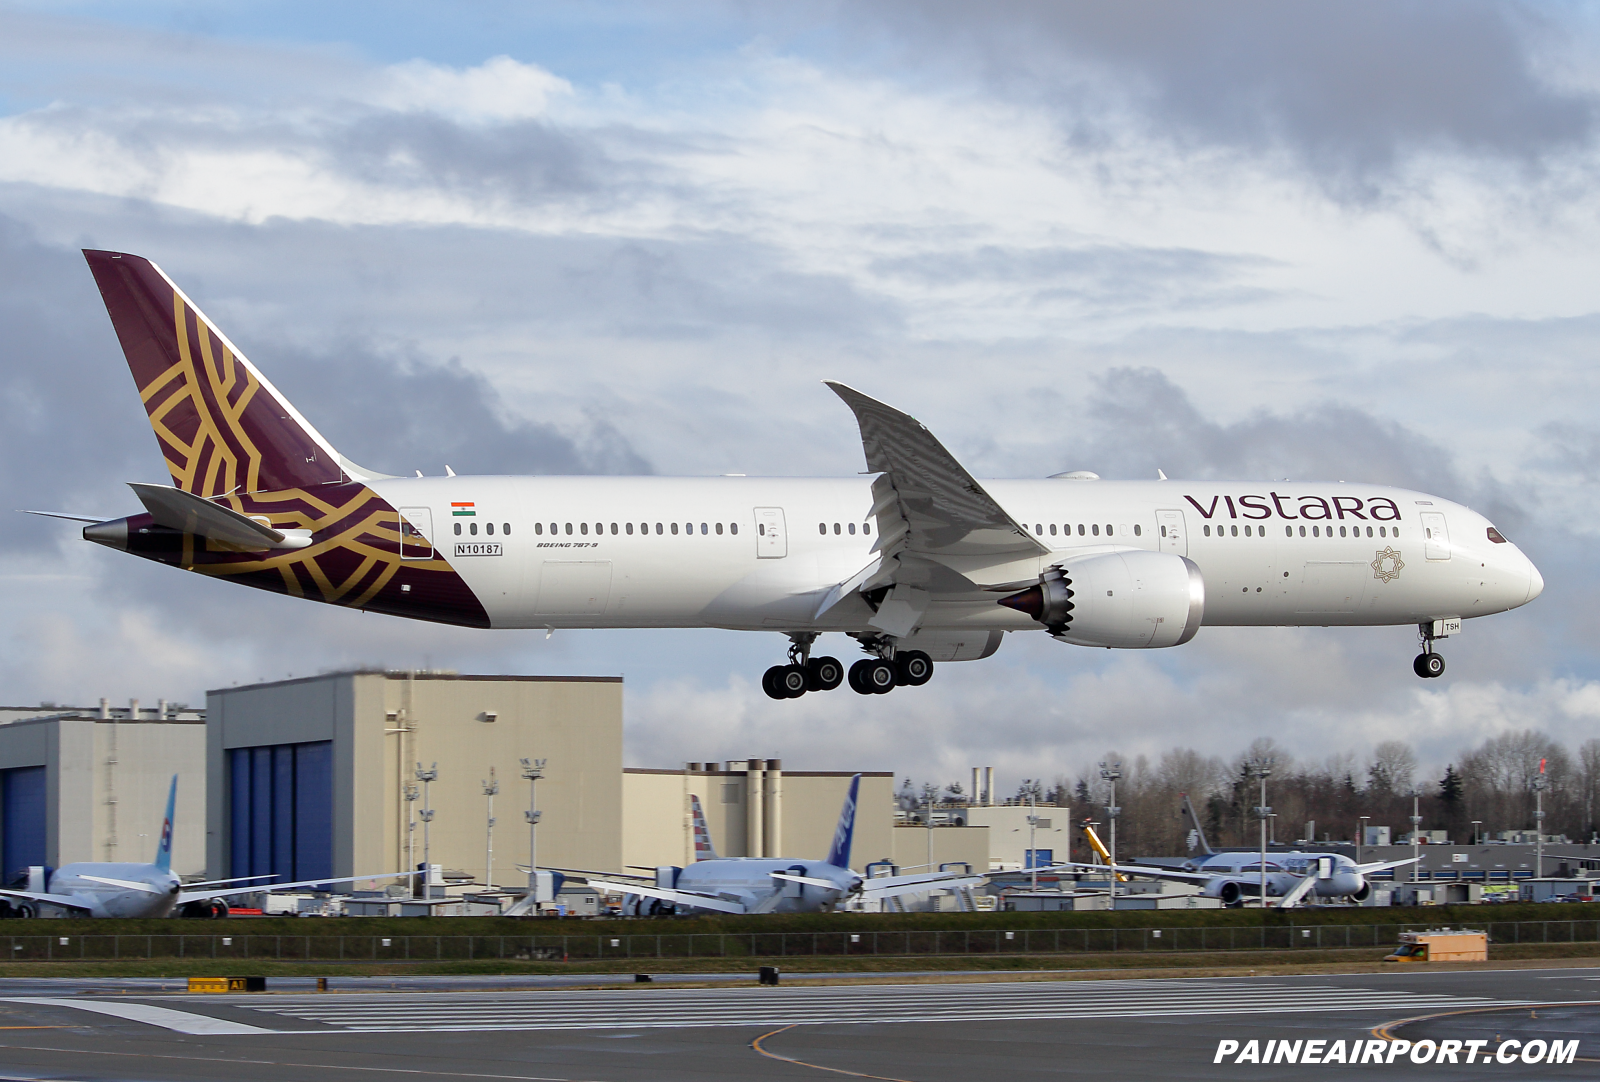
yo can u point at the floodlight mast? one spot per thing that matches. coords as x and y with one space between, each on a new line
533 770
490 788
1539 784
426 777
1110 773
1261 769
411 795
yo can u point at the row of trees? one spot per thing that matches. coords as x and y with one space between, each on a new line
1493 784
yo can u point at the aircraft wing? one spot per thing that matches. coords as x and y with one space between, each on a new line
1148 871
676 897
1385 865
267 888
1306 885
929 510
892 886
54 899
807 880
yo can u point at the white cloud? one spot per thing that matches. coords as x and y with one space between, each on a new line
498 90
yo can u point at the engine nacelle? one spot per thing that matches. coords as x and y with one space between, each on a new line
1129 600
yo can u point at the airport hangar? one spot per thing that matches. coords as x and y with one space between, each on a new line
308 777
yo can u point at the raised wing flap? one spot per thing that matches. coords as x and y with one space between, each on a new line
930 503
180 510
677 897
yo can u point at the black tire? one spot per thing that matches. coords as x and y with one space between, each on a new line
913 668
858 676
26 911
219 909
879 676
770 683
6 912
824 673
1428 665
791 680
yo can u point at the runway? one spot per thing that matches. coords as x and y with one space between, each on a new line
913 1032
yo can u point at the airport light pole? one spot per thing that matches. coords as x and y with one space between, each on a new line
1539 784
1033 849
533 770
1416 840
411 794
426 777
1476 823
1261 769
490 788
1110 774
1361 836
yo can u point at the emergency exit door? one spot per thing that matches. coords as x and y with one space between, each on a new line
1169 527
772 540
1435 535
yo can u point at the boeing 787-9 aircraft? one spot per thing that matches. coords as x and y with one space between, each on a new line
915 560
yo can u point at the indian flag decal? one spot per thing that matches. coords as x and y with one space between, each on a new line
460 510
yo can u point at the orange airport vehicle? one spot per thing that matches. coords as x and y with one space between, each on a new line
1442 945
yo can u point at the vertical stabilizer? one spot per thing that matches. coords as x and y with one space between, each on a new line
839 853
1194 825
703 849
222 427
164 846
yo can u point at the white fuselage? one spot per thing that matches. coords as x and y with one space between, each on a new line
1271 554
748 880
1284 873
110 900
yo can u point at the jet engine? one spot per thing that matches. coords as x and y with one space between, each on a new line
1130 600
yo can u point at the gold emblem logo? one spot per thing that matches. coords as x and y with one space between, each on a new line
1387 565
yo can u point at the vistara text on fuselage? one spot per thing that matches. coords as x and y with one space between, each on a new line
917 561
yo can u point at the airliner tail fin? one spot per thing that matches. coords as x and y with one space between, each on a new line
703 849
839 852
164 846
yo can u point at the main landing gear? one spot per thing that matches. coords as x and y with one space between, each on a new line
877 675
1428 664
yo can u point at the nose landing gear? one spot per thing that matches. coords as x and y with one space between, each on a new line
1428 664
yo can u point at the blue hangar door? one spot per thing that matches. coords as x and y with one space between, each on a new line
280 807
22 820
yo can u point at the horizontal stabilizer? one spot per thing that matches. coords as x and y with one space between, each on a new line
66 900
184 511
63 515
267 888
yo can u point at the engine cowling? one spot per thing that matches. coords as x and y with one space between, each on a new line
1129 600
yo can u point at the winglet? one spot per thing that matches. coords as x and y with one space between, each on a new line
839 852
164 846
703 849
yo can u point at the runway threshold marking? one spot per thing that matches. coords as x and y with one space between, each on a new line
756 1044
1386 1030
165 1017
445 1073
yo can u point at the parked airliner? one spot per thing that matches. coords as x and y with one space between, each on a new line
774 884
92 888
917 561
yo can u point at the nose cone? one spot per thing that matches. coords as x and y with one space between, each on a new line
112 534
1535 583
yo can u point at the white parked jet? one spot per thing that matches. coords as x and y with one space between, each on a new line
919 563
774 884
120 889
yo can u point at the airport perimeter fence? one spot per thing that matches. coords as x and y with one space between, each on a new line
949 943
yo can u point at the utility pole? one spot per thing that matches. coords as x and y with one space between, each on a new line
426 777
1262 770
490 788
411 795
1361 836
533 770
1110 774
1539 784
930 831
1476 823
1033 849
1416 840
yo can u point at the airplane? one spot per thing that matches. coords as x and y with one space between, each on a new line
124 889
772 884
1233 877
917 561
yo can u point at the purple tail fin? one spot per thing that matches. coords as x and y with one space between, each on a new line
222 427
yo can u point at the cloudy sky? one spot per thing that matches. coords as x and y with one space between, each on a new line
1232 240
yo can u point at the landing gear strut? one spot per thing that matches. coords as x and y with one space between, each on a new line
1428 664
803 673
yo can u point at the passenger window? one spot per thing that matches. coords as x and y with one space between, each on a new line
472 528
688 527
1205 531
1341 531
1234 530
852 529
1247 531
1138 531
488 528
1038 530
1381 532
838 529
704 529
822 528
613 529
1394 531
1080 529
583 528
1097 529
733 528
569 529
674 529
1369 531
458 529
1052 529
719 529
1302 531
538 528
599 527
658 529
866 528
1108 529
505 528
629 528
1288 531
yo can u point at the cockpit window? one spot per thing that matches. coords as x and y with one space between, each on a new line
1494 535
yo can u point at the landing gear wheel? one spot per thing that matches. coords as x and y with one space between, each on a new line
792 681
913 668
25 911
824 673
770 685
872 676
1428 665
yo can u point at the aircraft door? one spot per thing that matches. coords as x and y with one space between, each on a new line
416 529
1436 535
1170 527
772 539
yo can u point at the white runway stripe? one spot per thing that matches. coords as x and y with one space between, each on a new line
682 1008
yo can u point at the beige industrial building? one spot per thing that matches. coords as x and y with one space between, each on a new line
91 783
753 808
311 776
1010 838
